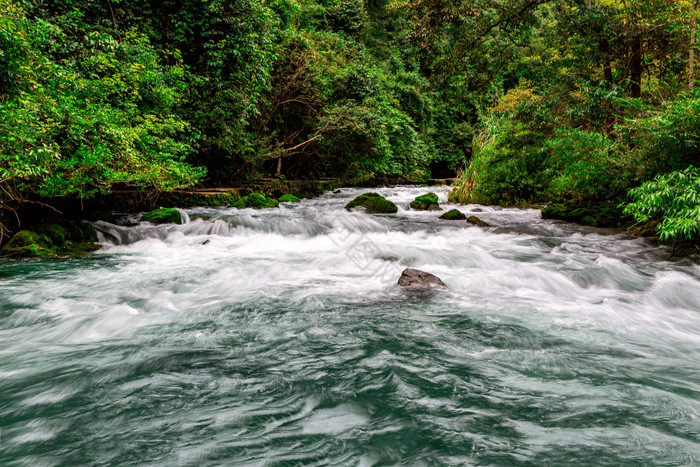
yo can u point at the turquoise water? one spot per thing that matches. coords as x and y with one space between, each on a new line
279 337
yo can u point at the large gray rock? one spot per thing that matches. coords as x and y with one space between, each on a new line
417 279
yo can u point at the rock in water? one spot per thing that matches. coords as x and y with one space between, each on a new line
427 202
417 279
288 199
374 203
255 201
163 216
453 215
478 222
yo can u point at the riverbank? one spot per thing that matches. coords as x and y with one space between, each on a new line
39 221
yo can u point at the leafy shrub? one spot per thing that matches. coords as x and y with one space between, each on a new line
507 166
583 165
672 198
349 15
665 139
80 127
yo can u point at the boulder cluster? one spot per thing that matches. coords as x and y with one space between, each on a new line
376 204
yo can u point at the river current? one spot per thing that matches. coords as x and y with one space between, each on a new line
280 337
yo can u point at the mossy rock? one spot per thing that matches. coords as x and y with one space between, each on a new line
453 215
427 202
478 222
163 216
255 201
28 244
594 214
49 240
81 232
373 203
289 199
58 234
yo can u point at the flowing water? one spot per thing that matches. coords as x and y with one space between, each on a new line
279 337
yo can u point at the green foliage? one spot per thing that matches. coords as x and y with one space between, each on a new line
349 15
80 126
527 97
507 166
163 216
674 200
584 165
373 203
664 139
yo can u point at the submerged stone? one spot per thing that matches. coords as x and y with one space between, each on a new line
163 216
289 199
417 279
373 203
427 202
478 222
453 215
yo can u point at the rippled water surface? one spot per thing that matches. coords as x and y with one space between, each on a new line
279 337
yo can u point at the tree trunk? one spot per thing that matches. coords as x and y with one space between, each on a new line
636 68
691 65
279 166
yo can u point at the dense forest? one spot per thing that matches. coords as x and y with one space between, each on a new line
586 105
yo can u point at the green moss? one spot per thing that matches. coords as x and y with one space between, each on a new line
478 222
595 214
163 216
427 202
373 203
58 234
26 243
453 215
289 199
255 201
81 232
48 240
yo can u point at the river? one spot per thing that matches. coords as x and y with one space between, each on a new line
279 337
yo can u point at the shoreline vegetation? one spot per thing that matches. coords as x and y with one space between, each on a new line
588 107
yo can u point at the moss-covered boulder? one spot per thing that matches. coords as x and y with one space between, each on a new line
163 216
427 202
28 244
478 222
453 215
594 214
373 203
255 201
65 237
289 199
58 234
81 232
